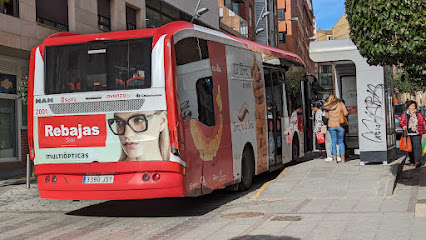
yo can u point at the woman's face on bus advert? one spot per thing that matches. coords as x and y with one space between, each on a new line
139 133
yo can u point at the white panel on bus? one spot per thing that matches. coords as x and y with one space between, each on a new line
157 69
187 77
38 73
242 105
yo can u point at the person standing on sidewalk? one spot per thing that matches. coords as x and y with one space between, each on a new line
414 122
321 127
334 108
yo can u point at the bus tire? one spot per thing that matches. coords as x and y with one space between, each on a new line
247 170
294 149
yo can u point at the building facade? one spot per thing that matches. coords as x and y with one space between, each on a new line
24 24
296 28
266 22
237 17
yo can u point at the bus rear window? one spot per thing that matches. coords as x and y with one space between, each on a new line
98 66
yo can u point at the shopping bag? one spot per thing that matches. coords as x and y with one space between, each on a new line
289 138
424 147
320 138
405 143
343 121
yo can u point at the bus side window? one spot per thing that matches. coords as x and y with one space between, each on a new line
205 101
195 83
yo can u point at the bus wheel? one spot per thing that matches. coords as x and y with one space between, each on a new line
247 170
294 149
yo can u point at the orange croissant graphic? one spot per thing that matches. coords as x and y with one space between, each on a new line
208 146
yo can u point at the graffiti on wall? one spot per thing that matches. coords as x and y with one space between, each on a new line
372 119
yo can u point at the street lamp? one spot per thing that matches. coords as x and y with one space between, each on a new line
303 55
198 12
293 19
262 16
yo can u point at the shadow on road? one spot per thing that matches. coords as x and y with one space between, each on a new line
410 176
172 207
264 237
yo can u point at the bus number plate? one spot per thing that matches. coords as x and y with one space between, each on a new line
99 179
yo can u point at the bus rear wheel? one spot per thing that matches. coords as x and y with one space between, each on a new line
247 171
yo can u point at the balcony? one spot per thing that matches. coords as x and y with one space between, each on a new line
233 21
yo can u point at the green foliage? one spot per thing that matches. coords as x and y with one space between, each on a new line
389 32
4 1
401 82
293 76
23 91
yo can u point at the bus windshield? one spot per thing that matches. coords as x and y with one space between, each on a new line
98 66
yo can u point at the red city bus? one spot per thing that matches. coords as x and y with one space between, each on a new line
175 111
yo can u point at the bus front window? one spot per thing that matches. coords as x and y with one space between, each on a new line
97 66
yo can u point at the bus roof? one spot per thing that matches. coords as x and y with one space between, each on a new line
179 27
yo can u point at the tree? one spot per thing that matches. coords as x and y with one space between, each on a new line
389 32
23 90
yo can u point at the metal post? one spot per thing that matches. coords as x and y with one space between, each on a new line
195 11
28 170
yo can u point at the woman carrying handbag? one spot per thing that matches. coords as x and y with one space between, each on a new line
335 110
414 123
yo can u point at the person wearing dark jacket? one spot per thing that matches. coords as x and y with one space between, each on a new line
414 122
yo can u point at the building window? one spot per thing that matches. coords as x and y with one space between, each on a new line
104 15
10 7
159 13
326 77
281 14
53 13
232 5
281 37
130 18
250 15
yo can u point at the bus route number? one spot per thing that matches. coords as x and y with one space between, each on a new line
42 111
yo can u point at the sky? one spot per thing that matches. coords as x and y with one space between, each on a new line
327 12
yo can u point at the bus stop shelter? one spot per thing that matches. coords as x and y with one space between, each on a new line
368 94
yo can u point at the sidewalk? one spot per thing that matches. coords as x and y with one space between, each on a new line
320 179
310 200
324 200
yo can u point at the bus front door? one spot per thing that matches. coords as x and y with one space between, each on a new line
274 114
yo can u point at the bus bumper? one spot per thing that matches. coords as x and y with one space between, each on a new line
125 180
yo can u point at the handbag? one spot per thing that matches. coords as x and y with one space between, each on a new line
405 142
320 138
343 121
325 120
424 147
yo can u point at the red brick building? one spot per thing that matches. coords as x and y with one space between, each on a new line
237 17
296 28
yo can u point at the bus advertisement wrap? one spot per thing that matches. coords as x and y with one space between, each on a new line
110 137
71 131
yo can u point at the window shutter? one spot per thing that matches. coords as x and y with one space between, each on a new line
104 8
55 11
130 15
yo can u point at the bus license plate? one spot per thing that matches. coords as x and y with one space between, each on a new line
99 179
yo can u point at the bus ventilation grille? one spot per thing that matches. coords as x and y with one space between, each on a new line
102 106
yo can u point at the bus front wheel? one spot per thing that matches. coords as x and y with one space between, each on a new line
247 170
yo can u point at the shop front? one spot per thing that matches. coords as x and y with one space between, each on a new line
12 113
